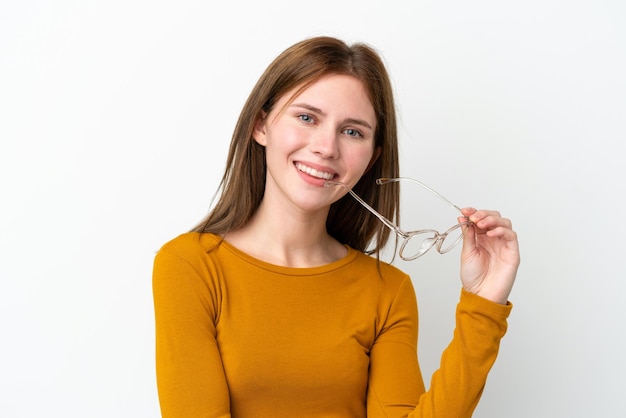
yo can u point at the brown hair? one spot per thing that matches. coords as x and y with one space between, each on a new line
243 184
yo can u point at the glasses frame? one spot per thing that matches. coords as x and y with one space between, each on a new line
437 238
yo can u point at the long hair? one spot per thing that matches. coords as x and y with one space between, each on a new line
243 183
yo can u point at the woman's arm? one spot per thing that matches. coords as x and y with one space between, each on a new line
489 262
396 388
190 376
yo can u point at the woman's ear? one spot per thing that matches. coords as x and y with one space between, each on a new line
374 159
258 132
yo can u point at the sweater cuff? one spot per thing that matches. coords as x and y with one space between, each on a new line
474 303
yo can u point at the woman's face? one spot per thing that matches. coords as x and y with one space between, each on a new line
326 132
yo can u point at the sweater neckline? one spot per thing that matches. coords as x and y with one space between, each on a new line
290 271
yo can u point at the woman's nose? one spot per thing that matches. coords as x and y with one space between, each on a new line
325 143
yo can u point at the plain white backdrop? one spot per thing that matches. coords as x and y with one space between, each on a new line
115 117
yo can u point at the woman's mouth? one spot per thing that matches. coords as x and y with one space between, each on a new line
313 172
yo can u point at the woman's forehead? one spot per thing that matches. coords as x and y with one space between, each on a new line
331 92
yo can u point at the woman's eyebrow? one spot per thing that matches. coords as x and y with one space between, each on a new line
359 122
314 109
308 106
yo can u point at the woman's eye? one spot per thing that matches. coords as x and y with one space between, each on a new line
354 133
306 118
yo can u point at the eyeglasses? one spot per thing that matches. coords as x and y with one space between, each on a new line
416 243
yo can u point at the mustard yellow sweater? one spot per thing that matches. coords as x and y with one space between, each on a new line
238 337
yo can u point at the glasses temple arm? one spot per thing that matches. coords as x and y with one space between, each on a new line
385 180
384 220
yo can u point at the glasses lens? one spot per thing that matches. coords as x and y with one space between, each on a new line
452 237
417 244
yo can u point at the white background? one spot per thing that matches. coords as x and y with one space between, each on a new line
115 117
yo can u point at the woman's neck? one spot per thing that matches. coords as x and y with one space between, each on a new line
288 238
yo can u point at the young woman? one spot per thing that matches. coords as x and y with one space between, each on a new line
273 306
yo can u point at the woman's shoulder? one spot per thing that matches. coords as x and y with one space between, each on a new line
189 243
385 271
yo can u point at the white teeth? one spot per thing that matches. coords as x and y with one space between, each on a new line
313 172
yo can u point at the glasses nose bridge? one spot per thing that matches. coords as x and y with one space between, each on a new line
433 238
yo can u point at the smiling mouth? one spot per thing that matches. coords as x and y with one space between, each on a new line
313 172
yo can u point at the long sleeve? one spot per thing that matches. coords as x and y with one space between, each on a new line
190 376
396 388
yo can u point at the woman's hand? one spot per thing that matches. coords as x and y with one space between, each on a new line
490 255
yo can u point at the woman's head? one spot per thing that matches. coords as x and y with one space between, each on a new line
298 67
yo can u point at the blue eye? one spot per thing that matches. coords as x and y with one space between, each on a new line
306 118
354 133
